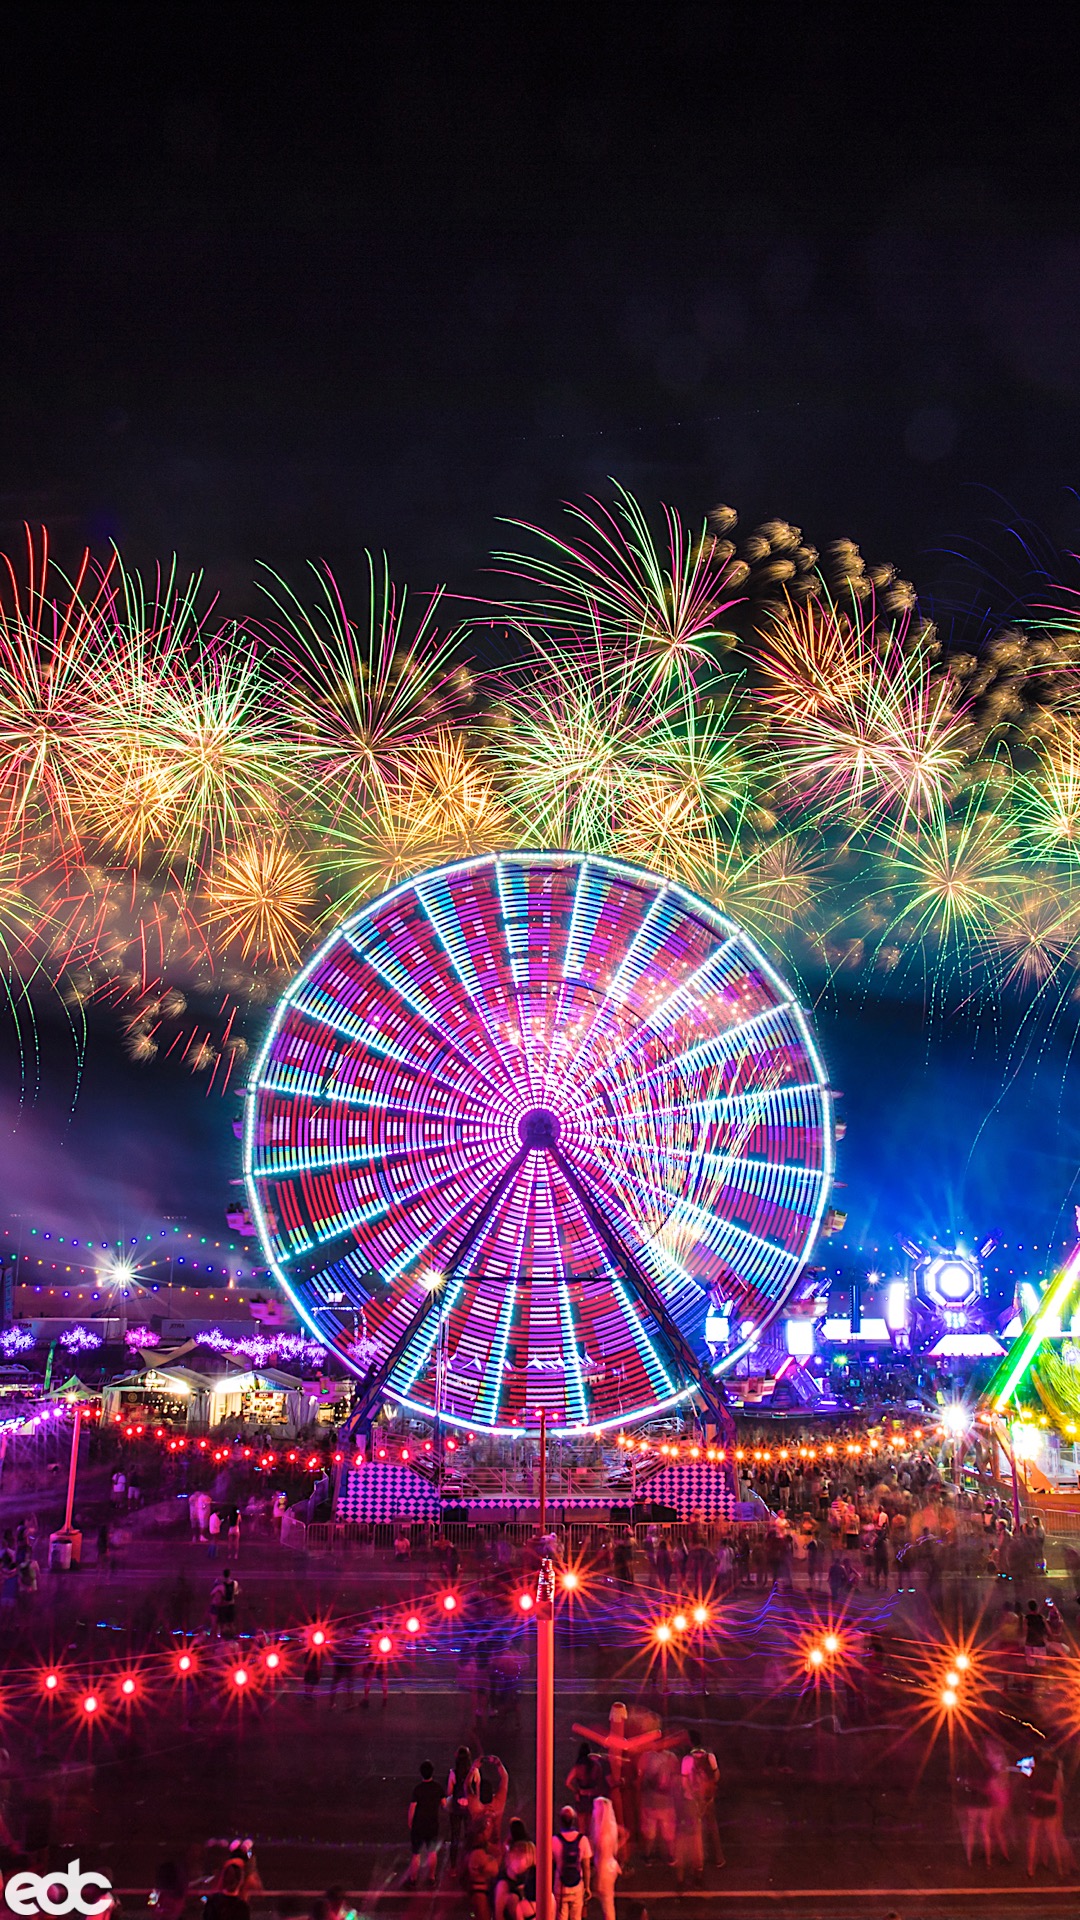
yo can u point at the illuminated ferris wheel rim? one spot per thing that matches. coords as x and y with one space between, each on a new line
696 909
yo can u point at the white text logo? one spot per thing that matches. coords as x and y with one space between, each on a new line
30 1893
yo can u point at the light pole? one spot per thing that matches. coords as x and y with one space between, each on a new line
73 1468
545 1736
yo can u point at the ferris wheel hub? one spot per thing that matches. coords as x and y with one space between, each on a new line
539 1129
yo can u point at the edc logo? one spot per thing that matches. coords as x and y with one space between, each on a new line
29 1893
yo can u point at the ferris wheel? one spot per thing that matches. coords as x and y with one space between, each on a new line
521 1126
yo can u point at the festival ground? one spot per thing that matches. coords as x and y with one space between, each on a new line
834 1797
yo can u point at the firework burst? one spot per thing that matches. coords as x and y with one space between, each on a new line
260 898
360 697
666 598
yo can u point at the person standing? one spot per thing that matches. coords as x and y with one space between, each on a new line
585 1781
701 1783
223 1605
571 1857
604 1841
424 1810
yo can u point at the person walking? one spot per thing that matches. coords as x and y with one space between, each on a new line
457 1799
223 1605
571 1857
1045 1816
424 1810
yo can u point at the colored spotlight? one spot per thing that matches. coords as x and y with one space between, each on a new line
385 1643
948 1697
52 1681
184 1663
831 1643
680 1623
127 1687
526 1602
570 1581
663 1633
817 1657
701 1616
449 1601
412 1624
318 1638
90 1703
952 1678
240 1677
963 1661
273 1661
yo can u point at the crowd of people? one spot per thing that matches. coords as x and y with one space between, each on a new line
636 1793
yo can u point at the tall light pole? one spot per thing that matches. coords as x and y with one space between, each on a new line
545 1736
73 1468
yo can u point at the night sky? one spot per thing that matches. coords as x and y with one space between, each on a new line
278 286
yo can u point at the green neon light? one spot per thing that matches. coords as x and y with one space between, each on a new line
1031 1339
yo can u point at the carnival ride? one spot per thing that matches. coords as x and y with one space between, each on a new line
519 1125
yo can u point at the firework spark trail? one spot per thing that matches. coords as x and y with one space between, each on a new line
361 696
666 599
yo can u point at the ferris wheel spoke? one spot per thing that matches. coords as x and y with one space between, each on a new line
437 902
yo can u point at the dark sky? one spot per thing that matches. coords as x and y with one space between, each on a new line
287 281
283 281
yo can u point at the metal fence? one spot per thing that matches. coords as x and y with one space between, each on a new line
343 1536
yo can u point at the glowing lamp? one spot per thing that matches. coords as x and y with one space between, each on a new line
817 1657
831 1643
526 1602
318 1638
451 1446
663 1633
701 1616
385 1643
184 1663
52 1681
412 1624
273 1661
449 1601
127 1687
955 1418
90 1703
952 1679
240 1678
570 1581
963 1661
680 1623
948 1697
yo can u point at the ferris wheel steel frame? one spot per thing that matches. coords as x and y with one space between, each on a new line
531 959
